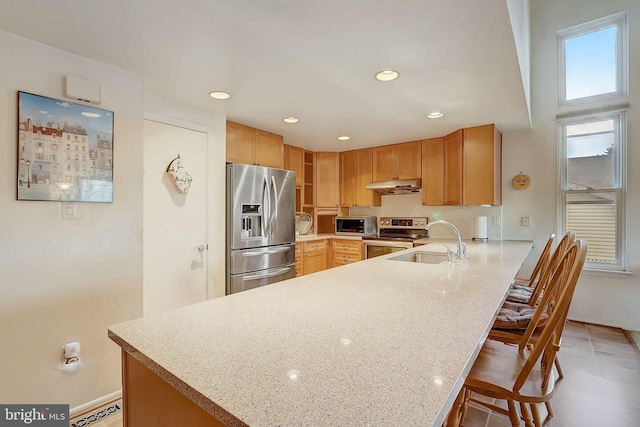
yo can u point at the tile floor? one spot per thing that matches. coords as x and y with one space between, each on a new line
601 385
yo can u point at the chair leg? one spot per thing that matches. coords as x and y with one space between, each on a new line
560 373
526 415
465 405
514 417
536 415
459 409
547 404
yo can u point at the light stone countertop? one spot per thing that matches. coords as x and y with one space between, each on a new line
373 343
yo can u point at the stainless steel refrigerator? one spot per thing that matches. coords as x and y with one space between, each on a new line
260 226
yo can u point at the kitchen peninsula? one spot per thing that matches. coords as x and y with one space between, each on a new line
378 342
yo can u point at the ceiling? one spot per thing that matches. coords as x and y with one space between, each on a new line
314 60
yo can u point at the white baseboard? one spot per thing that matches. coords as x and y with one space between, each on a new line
86 407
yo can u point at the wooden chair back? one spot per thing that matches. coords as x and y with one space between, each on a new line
542 263
564 243
563 282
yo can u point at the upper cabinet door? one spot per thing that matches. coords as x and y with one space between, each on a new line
240 143
348 178
327 176
384 163
365 197
294 161
397 161
453 168
254 147
433 172
408 160
482 172
356 171
269 149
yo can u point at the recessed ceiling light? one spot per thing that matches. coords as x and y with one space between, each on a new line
218 94
290 120
344 138
435 115
387 75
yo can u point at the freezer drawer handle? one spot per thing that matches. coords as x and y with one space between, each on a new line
264 275
269 252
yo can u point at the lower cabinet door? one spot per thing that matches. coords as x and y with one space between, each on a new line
315 261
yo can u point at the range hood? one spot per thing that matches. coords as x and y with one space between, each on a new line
396 186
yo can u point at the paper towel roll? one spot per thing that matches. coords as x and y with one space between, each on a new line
480 228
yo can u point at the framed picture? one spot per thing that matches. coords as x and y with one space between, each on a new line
65 150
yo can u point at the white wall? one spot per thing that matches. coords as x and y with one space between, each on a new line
608 299
67 280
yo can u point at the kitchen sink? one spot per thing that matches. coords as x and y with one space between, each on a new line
422 257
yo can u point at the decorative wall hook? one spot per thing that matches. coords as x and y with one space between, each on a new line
179 176
521 181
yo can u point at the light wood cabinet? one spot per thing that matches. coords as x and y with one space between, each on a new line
240 142
150 400
294 161
254 146
473 166
397 161
482 166
433 172
346 251
315 256
327 177
453 168
309 193
356 171
299 259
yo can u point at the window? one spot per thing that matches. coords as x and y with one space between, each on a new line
592 188
593 60
593 139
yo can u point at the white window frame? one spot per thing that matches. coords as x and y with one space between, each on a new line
595 108
619 20
618 186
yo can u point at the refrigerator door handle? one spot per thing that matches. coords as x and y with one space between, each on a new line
274 206
265 275
269 252
266 209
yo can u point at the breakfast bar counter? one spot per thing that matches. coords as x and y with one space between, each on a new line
379 342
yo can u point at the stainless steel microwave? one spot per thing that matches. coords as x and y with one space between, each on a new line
364 226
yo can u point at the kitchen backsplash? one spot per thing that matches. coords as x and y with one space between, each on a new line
460 216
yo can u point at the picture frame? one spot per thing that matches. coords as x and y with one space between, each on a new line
65 151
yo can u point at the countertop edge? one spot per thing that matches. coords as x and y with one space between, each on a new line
195 396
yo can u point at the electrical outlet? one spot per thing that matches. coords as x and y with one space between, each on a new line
71 349
496 221
525 221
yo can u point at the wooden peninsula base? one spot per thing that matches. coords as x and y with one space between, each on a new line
150 401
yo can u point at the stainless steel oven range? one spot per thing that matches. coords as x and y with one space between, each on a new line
395 234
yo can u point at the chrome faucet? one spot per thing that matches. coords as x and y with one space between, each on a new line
462 247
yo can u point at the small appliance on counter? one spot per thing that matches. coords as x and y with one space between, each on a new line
363 226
